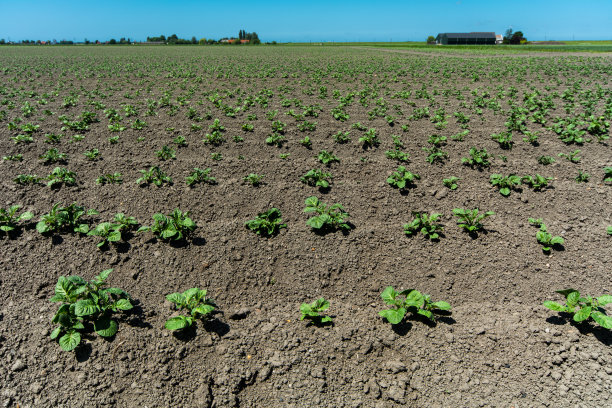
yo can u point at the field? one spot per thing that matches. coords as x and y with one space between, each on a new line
271 111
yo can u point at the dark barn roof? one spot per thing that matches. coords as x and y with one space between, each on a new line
466 38
469 35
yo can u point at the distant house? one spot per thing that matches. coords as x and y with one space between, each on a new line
499 39
487 38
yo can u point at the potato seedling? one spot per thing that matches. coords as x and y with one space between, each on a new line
276 139
424 223
125 223
200 176
176 226
437 141
327 158
267 223
82 300
546 239
397 155
607 175
114 178
180 141
546 160
25 139
166 153
13 157
370 139
571 157
537 182
60 176
328 217
402 178
582 177
27 179
194 301
435 154
505 184
53 138
64 219
342 137
254 179
609 230
583 308
306 142
451 182
478 158
536 222
414 302
154 175
53 156
92 154
312 311
316 177
9 218
504 139
469 220
460 136
108 232
139 124
531 137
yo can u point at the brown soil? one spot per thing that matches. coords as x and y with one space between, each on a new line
499 347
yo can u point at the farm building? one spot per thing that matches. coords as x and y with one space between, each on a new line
466 38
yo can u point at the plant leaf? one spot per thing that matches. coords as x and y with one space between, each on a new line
176 298
388 295
441 305
85 307
554 306
123 304
177 323
604 299
56 332
70 340
602 319
105 326
582 314
202 310
573 298
393 316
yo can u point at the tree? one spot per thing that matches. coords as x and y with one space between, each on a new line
517 38
193 40
202 41
112 41
431 39
2 42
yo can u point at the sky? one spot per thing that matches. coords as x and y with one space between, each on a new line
286 21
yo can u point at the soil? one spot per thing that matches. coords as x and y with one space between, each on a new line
499 347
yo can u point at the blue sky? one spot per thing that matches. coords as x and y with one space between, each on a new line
313 20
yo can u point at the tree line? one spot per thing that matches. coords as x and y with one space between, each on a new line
243 38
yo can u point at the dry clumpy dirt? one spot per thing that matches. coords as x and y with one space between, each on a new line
498 348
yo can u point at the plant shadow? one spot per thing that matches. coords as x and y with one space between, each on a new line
216 326
135 317
185 335
319 323
83 352
198 241
402 328
603 335
56 239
